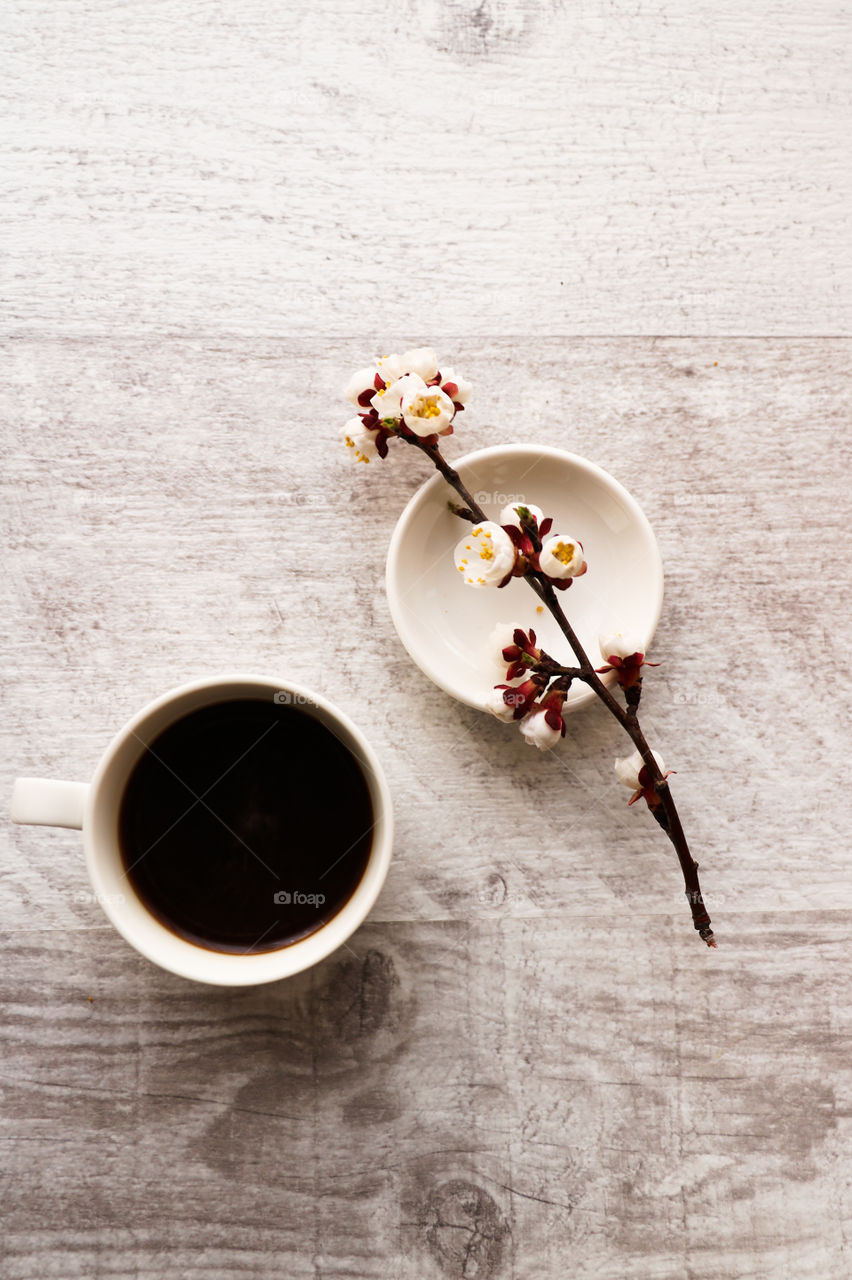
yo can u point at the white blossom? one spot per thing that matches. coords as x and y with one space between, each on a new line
361 381
464 388
359 440
390 368
396 389
421 361
538 732
388 401
561 556
620 644
502 635
509 515
627 769
485 555
497 706
426 410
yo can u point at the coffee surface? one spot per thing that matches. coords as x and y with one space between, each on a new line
245 825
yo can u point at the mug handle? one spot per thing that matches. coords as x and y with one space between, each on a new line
44 802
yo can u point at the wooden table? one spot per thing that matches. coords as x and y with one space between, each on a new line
526 1065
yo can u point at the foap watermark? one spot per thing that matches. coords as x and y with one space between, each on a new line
488 497
710 898
699 698
690 98
308 499
89 498
286 898
286 698
704 499
85 897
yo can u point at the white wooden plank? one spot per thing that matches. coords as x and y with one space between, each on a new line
180 509
596 168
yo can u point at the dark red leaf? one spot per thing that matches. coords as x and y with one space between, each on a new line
515 534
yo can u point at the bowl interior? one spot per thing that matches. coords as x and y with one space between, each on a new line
445 625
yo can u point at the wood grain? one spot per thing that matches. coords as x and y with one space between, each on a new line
525 1065
485 1098
489 168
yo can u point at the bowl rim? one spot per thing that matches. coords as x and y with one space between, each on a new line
426 492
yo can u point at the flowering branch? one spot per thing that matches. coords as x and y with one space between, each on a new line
407 397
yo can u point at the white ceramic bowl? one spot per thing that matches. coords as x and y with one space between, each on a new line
445 624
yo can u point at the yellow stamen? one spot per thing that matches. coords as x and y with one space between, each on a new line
486 554
429 407
564 552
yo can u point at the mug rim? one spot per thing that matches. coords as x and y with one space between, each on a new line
191 960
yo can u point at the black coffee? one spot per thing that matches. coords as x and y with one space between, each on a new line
246 825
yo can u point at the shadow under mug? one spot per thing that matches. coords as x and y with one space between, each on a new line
94 807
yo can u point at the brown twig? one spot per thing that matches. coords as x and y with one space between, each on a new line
666 813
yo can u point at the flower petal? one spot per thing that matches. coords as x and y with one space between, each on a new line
485 555
561 557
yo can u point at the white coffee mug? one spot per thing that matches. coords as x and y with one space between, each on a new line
94 807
